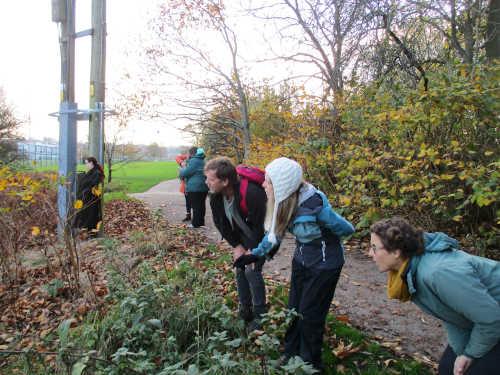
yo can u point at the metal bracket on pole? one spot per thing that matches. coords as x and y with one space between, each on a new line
82 114
88 32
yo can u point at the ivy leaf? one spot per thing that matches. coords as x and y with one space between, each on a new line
79 366
234 343
155 322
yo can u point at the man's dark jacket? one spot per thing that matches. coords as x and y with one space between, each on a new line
256 203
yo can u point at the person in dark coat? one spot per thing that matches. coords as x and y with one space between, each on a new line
89 193
196 187
242 231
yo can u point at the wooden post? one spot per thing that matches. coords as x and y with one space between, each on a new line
97 77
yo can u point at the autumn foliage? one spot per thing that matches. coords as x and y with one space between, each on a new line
431 156
28 217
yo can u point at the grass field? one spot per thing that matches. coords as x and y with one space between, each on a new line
133 177
137 177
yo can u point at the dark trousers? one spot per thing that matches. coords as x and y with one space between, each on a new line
251 288
90 215
311 293
487 365
188 204
197 200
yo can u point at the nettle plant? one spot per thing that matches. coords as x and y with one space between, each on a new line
174 322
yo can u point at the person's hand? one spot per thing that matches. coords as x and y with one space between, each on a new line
238 251
462 364
245 259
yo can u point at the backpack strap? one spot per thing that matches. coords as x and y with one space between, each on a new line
243 196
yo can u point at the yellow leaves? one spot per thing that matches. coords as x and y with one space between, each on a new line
386 202
483 198
78 204
96 190
457 218
53 177
345 200
35 231
21 185
427 151
423 151
446 177
412 187
383 116
488 153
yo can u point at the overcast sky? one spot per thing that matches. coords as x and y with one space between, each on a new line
30 64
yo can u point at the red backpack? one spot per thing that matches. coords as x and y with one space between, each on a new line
248 174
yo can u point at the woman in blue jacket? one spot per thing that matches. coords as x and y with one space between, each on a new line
196 187
318 259
460 289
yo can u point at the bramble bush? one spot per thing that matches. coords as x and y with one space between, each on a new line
431 156
27 218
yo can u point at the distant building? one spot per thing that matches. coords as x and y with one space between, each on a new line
38 151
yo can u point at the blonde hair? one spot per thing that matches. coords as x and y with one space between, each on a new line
286 211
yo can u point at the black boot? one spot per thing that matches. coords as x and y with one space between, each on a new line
187 218
257 315
245 313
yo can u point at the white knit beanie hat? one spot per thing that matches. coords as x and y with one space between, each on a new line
286 176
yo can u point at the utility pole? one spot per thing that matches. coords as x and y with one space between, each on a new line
97 89
63 13
97 79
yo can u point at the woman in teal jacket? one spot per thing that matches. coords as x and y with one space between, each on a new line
196 187
300 208
460 289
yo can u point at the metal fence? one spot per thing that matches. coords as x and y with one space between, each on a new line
37 155
44 155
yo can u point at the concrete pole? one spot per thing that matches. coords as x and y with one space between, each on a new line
67 112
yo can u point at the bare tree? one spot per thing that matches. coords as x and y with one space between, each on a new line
492 44
183 28
127 107
460 21
8 127
407 52
324 34
402 47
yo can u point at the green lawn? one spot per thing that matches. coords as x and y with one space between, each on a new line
137 177
133 177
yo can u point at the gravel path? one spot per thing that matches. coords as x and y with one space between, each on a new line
360 296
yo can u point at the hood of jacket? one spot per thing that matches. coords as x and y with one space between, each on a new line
198 156
306 192
438 241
